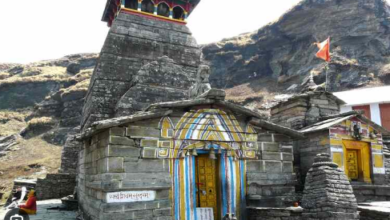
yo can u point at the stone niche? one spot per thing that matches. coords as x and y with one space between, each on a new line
147 165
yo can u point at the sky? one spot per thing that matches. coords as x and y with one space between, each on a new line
34 30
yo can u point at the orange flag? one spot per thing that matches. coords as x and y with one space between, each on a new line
324 52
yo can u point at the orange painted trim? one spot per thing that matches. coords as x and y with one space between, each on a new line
157 17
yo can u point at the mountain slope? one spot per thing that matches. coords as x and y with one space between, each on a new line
281 54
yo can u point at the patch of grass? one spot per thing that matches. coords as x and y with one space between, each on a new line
38 75
81 86
250 96
38 126
4 75
12 122
43 121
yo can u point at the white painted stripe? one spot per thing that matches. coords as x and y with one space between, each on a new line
376 113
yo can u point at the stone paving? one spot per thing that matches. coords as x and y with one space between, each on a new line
45 212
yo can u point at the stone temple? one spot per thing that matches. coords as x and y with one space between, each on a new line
158 143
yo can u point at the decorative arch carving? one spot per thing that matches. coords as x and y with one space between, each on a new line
166 127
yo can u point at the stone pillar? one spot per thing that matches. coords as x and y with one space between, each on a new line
328 194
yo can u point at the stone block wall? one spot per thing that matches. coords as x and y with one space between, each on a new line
55 186
303 110
308 148
111 162
386 153
270 179
370 193
132 42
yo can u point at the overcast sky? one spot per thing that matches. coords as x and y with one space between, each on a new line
33 30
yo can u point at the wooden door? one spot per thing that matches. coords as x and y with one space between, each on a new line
352 164
385 115
365 108
207 183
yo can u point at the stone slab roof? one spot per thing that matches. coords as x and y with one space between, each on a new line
213 97
288 98
330 121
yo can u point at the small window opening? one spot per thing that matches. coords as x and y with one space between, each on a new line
132 4
178 13
163 9
147 6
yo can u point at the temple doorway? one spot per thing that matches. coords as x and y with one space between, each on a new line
207 184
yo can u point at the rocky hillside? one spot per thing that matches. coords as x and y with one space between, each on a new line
40 104
43 96
278 57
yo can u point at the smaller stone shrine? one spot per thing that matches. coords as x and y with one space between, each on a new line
328 194
354 142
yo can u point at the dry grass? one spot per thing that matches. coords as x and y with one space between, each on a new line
253 97
33 151
241 40
12 122
43 121
4 75
38 74
81 86
244 91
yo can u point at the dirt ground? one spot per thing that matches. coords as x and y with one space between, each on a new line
32 158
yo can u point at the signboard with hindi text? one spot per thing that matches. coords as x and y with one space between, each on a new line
205 213
131 196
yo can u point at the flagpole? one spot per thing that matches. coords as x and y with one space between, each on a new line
326 76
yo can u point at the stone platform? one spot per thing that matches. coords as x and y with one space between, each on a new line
46 211
374 210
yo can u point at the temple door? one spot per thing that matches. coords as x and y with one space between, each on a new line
207 183
352 164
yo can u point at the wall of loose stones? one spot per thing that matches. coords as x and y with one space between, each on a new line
270 179
132 42
110 162
55 186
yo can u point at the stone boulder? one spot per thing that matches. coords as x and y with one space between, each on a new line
73 68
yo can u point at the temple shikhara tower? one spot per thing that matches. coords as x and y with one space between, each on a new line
147 40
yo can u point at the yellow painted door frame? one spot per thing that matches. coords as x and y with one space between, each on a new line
363 158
